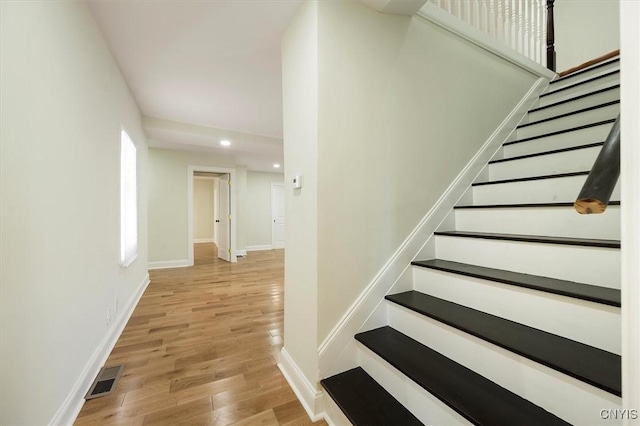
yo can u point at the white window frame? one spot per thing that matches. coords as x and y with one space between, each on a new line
128 200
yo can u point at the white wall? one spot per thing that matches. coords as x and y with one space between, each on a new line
241 209
63 102
630 170
203 219
584 30
404 106
300 115
168 233
258 207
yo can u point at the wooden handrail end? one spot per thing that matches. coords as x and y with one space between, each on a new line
589 206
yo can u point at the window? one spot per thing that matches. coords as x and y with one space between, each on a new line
128 201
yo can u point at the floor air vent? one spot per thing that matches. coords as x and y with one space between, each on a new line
106 382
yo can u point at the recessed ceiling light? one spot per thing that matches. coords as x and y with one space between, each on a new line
225 143
277 166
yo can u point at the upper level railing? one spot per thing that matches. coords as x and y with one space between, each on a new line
524 25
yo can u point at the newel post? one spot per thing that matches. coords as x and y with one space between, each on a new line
551 38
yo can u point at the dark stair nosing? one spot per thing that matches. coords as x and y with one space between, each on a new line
567 114
471 395
365 402
582 71
586 363
589 80
524 205
554 151
591 293
585 95
559 132
583 242
530 178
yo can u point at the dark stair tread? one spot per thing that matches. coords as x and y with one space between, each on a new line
524 205
365 402
575 98
559 132
473 396
530 178
585 242
582 71
592 293
580 83
591 365
551 152
567 114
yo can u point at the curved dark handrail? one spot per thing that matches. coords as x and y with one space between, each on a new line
602 179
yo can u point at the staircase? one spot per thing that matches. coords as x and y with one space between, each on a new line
517 319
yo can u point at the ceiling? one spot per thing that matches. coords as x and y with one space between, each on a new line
202 71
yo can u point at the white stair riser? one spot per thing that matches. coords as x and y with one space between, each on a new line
564 189
562 162
333 413
574 120
589 265
422 404
588 101
564 396
591 323
559 141
549 221
556 96
576 78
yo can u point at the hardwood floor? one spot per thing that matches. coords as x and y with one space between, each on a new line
201 349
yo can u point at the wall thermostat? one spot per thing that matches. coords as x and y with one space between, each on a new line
297 182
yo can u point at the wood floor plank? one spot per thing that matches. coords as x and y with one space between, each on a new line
201 349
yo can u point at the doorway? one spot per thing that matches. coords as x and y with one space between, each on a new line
227 175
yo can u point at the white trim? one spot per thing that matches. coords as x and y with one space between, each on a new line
166 264
241 252
445 20
234 217
211 178
310 397
630 170
202 240
332 349
70 408
260 247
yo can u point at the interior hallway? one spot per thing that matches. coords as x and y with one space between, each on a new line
201 349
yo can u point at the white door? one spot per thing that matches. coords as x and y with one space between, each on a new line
216 213
277 215
224 224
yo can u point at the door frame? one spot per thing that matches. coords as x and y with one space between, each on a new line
273 234
191 169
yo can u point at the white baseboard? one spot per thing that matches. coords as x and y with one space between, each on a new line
310 397
447 21
70 408
165 264
202 240
242 253
332 350
259 248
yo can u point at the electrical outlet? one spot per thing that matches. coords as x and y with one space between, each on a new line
108 316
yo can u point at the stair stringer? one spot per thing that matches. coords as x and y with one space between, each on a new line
338 351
